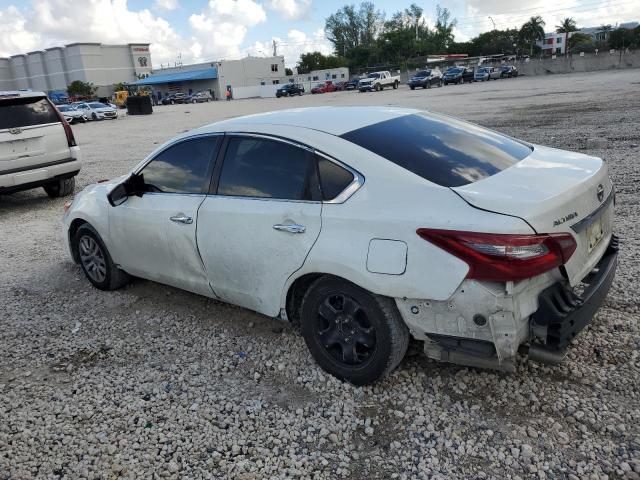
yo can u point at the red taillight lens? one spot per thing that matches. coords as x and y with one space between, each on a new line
71 140
504 257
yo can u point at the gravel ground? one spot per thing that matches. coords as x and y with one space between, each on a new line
150 381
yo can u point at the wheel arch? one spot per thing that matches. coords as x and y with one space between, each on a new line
73 228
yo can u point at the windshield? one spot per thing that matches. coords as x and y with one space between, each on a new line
373 75
441 149
97 105
506 69
483 70
454 70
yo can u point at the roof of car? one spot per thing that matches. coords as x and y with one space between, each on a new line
20 94
332 120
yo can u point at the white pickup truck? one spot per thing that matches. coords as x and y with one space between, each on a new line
377 81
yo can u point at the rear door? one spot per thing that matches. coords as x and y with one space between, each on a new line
31 134
154 235
261 221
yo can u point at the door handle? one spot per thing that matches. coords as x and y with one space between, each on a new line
181 218
291 228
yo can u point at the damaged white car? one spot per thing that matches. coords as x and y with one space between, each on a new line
367 226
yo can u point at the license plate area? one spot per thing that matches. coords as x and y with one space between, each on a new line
595 233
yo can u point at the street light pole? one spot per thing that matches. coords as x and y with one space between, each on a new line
494 23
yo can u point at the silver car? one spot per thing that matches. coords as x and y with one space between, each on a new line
486 73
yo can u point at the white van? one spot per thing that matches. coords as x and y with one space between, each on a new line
37 147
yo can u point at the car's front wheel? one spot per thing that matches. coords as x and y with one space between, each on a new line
61 188
95 260
352 334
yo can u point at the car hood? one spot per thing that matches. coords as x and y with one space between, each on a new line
551 190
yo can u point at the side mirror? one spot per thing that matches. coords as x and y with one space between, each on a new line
118 195
134 185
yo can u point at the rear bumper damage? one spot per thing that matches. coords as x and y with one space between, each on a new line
485 324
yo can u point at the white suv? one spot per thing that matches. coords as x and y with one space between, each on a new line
37 147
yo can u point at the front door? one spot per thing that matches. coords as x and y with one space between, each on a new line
154 236
258 228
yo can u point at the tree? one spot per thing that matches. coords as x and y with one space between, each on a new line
443 35
581 42
567 25
318 61
622 38
81 89
603 32
288 72
349 28
117 87
533 30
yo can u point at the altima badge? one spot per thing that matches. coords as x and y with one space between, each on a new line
600 193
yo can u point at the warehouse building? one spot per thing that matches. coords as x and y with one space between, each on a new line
55 68
241 76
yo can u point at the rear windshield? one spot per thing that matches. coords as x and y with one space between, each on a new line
26 112
440 149
423 73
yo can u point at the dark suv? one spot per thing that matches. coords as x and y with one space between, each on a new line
290 89
425 79
174 98
458 75
508 71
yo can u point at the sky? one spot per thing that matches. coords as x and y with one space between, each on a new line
206 30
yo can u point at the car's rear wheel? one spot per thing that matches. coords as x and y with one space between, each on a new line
94 116
412 87
61 188
395 85
352 334
95 261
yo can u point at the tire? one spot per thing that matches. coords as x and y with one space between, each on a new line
95 261
461 82
94 116
172 102
395 85
347 306
61 188
378 87
412 87
428 85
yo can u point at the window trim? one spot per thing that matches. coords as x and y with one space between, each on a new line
210 168
353 187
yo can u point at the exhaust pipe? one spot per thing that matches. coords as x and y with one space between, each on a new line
541 354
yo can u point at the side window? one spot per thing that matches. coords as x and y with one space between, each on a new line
333 178
182 168
258 167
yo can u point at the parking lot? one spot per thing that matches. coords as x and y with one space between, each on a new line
150 381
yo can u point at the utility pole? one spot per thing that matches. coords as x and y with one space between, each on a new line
275 48
494 23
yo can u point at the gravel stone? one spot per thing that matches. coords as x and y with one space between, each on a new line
159 383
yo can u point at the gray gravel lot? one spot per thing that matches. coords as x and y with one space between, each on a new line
150 381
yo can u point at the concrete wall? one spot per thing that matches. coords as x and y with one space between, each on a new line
6 77
55 68
334 74
576 63
249 72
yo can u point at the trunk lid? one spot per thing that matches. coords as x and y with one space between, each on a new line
554 191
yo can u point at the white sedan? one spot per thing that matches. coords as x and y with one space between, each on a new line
367 226
97 110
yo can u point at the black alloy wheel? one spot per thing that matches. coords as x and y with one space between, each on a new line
352 334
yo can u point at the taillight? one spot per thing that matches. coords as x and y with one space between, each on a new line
71 140
504 257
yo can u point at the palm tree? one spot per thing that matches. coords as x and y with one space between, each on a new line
603 31
567 26
533 30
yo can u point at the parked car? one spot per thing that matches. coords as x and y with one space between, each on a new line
71 114
508 71
198 97
341 86
477 254
426 79
174 98
377 81
325 87
37 146
289 89
486 73
458 75
352 84
97 111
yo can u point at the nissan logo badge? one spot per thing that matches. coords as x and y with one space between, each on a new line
15 131
600 193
